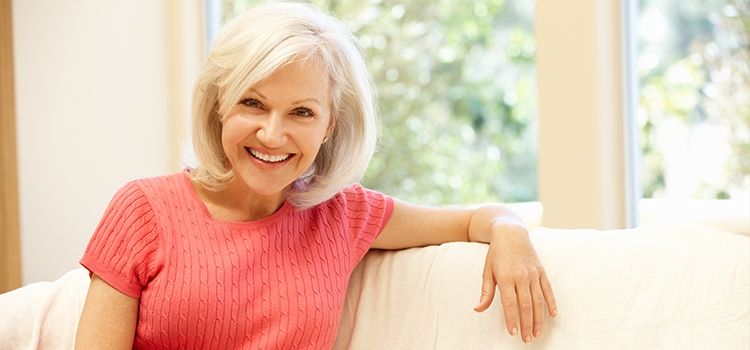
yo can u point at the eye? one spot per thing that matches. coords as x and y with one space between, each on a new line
252 103
303 112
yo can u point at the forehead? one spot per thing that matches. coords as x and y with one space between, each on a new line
295 80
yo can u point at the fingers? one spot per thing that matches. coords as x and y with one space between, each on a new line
488 291
549 296
524 303
510 307
524 289
525 311
538 308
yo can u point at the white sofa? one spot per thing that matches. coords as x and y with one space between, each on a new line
654 287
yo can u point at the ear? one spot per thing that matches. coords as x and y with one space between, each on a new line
331 125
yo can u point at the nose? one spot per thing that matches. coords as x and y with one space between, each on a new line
272 131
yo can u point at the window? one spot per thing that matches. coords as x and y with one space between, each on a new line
456 96
694 109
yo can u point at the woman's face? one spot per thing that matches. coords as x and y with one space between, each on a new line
273 133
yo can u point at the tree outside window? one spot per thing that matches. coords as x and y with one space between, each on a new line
695 98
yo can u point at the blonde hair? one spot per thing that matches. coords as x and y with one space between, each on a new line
250 48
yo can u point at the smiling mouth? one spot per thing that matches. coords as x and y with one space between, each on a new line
268 158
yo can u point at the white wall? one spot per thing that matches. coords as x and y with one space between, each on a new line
93 112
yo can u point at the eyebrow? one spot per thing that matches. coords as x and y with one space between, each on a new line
293 102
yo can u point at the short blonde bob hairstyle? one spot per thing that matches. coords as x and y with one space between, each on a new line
250 48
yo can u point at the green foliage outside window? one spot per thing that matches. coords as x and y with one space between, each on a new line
695 96
456 96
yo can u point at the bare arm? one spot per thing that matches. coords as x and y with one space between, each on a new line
416 226
108 319
511 262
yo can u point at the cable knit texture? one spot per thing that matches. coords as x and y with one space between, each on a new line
275 283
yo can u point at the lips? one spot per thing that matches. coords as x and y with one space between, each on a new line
267 157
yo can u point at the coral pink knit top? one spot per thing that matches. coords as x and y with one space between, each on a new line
276 283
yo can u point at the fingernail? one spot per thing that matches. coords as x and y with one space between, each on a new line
554 313
538 333
514 331
528 339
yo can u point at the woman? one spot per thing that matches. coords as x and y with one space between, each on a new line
252 247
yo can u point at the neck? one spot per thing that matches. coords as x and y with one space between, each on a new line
237 204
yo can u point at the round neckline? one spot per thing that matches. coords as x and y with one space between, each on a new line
278 215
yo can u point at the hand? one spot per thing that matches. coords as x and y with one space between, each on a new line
512 265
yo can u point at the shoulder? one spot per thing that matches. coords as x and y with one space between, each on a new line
362 204
127 199
357 195
139 198
165 189
163 183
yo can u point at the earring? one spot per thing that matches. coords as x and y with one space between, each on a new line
325 140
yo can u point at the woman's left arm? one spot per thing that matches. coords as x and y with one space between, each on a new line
511 264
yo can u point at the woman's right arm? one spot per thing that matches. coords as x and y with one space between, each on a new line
108 319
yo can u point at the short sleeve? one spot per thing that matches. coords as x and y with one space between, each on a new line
368 212
124 249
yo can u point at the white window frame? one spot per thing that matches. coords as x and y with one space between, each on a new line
587 162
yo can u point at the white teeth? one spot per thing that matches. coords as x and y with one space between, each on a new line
267 158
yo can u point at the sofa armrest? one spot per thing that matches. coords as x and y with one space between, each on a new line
660 286
43 315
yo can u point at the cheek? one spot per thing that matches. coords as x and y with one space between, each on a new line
313 140
231 136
